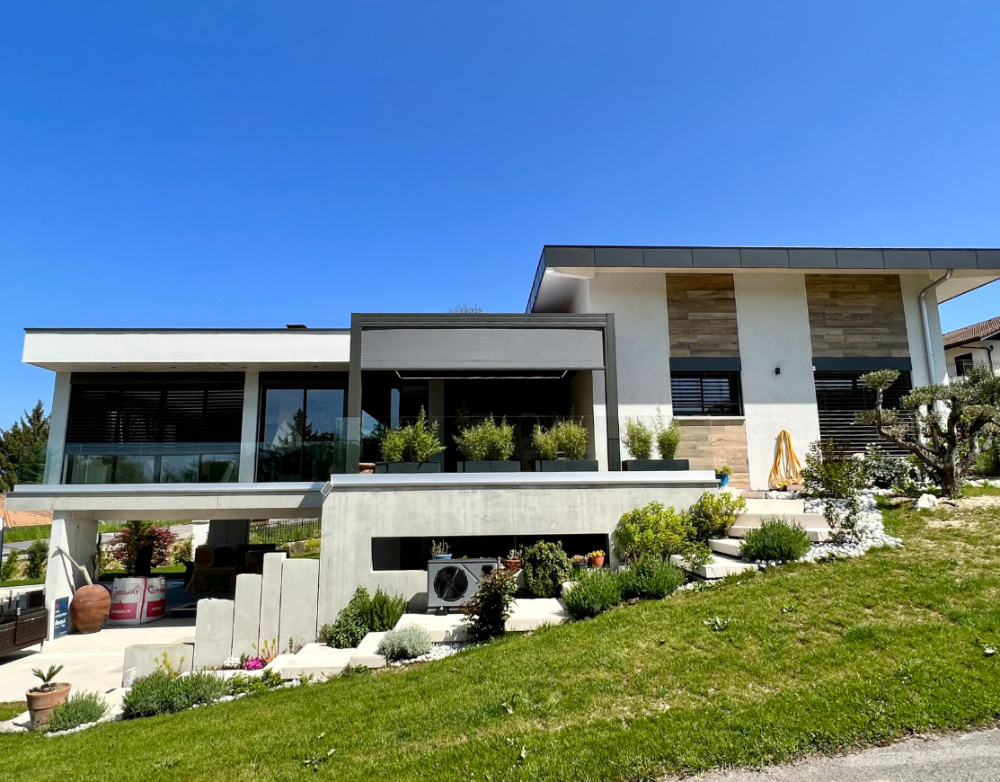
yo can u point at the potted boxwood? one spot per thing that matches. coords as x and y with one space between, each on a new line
513 561
487 447
46 696
638 438
562 448
410 448
440 550
722 476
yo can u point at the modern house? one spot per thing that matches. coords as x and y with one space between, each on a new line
734 343
972 346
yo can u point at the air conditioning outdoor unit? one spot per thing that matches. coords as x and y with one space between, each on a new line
452 582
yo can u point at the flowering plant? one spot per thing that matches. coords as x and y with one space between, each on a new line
253 664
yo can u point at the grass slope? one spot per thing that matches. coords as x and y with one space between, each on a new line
815 658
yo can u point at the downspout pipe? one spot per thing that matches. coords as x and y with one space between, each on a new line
925 323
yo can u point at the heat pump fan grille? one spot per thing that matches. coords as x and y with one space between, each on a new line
451 584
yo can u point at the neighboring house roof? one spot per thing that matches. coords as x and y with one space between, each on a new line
985 330
22 518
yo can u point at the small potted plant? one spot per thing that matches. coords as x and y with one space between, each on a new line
563 448
411 448
580 561
513 561
440 550
46 696
722 475
596 558
487 447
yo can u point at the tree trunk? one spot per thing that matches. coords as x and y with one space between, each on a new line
951 482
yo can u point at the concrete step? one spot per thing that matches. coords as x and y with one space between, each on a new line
816 533
721 567
367 652
316 662
774 507
728 546
802 519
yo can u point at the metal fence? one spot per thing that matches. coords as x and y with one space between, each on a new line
280 531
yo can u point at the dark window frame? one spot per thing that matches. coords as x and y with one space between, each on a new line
710 404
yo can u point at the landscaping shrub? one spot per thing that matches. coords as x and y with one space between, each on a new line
487 612
487 441
652 529
135 536
163 693
545 567
405 643
775 540
182 551
9 568
567 436
417 442
650 578
638 439
593 593
242 684
364 614
38 557
833 474
714 513
883 471
668 439
80 709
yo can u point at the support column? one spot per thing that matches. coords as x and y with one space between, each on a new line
435 403
248 435
58 419
77 537
910 286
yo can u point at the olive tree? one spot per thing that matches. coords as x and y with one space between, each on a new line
953 423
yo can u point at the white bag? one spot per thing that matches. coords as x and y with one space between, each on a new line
137 601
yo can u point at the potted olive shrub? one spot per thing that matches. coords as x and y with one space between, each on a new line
638 438
46 696
487 447
562 448
722 475
410 448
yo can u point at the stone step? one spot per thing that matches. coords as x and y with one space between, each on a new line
817 534
316 663
802 519
720 567
774 507
728 546
367 652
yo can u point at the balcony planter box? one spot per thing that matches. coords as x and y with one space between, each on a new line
634 465
490 466
407 467
565 465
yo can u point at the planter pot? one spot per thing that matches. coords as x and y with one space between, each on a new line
723 480
41 704
513 565
89 608
440 556
407 467
581 565
566 465
489 466
597 561
633 465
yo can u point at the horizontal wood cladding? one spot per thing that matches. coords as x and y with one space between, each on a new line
701 311
856 315
711 445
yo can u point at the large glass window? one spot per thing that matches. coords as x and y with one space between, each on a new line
302 430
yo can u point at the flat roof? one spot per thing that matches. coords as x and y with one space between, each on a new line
971 261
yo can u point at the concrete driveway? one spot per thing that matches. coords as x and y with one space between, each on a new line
966 757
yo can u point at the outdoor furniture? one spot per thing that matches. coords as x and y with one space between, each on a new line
24 622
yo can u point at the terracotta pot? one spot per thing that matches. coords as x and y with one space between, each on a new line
41 704
597 561
513 565
89 608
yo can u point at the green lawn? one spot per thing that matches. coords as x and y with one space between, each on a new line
169 571
10 709
22 582
21 534
815 658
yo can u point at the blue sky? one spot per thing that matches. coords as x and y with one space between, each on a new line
255 164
